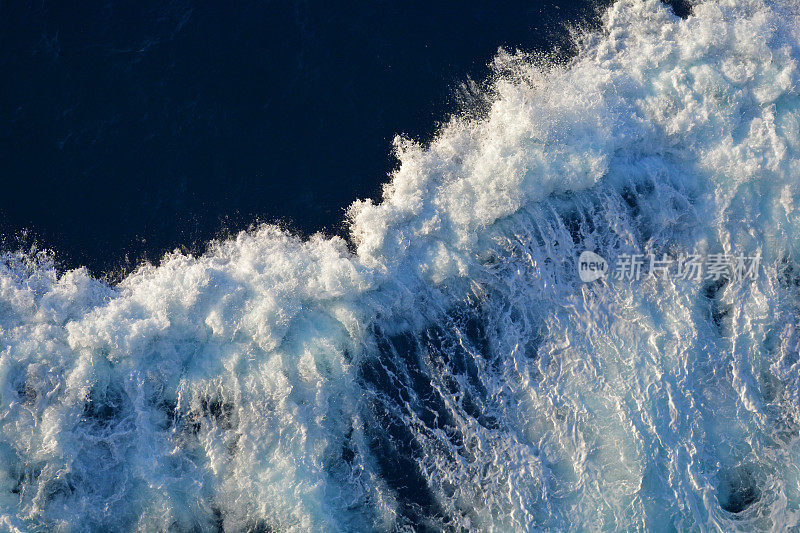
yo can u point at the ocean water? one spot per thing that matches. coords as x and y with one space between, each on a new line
446 369
133 128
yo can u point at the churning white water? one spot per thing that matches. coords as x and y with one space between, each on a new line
453 371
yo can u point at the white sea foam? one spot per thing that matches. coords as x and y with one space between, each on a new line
454 372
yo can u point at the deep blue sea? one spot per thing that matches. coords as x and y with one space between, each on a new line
133 128
305 266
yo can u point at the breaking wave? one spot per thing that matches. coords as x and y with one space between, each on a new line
451 371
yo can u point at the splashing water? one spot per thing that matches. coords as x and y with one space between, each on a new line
453 372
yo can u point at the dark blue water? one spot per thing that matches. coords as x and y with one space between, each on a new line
130 128
455 373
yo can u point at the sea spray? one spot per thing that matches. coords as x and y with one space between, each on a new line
453 371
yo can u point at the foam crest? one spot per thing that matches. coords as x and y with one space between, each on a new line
453 372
